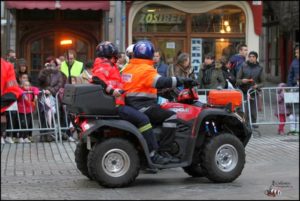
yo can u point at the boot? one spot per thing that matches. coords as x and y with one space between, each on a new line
170 157
158 159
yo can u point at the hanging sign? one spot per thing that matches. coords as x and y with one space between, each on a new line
196 54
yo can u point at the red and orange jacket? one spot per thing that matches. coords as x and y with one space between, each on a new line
10 90
109 73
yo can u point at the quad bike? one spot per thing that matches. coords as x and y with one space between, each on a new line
210 139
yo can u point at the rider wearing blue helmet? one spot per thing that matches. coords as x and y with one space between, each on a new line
141 82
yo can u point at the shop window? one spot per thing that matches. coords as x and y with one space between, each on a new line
43 47
220 47
226 19
159 18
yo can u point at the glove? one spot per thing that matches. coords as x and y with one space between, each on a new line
117 92
186 82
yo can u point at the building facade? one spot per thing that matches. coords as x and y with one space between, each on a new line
280 36
195 27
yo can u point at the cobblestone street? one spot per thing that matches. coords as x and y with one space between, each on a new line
48 171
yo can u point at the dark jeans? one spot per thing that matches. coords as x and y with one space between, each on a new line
26 123
253 108
159 116
140 120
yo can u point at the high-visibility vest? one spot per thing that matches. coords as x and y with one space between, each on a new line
76 68
140 79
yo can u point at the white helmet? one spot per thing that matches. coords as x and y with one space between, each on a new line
129 50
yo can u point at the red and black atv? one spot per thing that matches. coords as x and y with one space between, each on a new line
210 138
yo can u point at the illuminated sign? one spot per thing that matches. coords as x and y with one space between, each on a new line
161 18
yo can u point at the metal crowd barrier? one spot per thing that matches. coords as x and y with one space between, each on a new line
266 104
45 117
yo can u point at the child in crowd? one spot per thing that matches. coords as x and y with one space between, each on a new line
283 110
26 107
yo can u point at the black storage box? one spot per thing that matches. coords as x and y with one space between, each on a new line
88 99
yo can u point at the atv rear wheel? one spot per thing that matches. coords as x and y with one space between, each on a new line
223 158
114 163
81 155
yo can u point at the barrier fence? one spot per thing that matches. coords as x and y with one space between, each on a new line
47 115
269 104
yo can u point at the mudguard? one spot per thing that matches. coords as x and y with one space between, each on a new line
120 124
219 112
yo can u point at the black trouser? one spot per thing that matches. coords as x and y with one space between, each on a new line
142 122
26 123
253 108
168 120
12 122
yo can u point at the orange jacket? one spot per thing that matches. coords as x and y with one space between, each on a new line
10 90
140 78
110 74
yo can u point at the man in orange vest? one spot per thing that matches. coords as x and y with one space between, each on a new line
10 91
141 81
106 73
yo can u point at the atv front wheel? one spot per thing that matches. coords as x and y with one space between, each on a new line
81 155
114 163
223 158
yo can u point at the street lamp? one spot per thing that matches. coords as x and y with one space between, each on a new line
67 43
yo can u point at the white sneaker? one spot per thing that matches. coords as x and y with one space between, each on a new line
21 140
2 140
26 140
70 139
9 140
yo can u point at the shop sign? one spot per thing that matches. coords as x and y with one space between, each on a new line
161 18
196 54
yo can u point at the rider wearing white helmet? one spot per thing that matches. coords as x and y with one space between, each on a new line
129 55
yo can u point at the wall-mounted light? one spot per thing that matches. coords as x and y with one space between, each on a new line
228 28
222 31
222 39
226 23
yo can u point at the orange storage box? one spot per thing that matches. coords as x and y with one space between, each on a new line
223 97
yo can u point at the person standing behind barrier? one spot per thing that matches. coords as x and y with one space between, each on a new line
86 76
26 107
251 76
293 81
210 74
10 91
237 60
76 67
227 73
51 80
11 57
283 110
159 64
